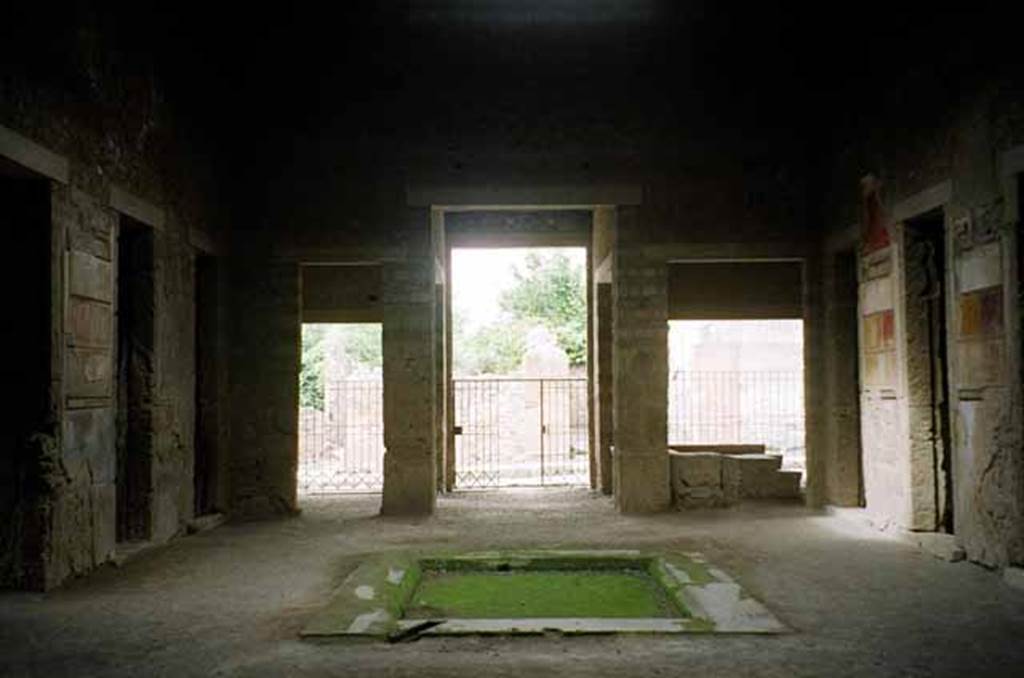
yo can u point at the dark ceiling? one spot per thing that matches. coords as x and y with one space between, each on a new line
454 74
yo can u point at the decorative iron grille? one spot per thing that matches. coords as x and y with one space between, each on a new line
521 432
341 447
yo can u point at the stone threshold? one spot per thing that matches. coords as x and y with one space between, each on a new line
130 550
940 545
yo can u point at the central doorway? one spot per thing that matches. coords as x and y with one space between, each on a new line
519 368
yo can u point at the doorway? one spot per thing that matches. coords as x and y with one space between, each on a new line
928 368
738 382
135 379
26 337
519 372
210 472
341 409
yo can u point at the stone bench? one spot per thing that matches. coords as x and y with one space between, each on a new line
709 478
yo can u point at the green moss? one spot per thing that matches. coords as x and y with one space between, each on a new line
538 594
696 625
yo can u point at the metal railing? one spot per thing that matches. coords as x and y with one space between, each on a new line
520 432
741 407
341 447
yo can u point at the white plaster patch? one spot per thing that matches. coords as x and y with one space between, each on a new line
719 575
395 575
365 592
363 622
679 575
877 295
980 267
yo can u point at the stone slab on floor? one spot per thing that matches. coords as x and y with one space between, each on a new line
942 546
1014 576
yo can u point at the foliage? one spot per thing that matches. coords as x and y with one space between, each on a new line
362 344
492 349
548 290
551 292
311 376
361 348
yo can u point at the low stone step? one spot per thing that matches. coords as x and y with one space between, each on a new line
787 484
721 449
751 475
762 462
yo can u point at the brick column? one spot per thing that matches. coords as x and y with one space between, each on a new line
640 377
408 298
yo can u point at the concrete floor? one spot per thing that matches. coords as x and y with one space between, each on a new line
231 601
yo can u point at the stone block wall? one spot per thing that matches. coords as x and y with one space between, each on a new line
108 149
410 388
640 373
72 520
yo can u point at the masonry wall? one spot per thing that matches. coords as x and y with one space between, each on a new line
81 119
341 293
707 175
957 159
266 312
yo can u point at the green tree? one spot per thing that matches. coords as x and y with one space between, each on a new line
550 290
361 344
311 375
492 349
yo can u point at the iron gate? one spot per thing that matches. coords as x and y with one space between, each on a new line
341 444
521 432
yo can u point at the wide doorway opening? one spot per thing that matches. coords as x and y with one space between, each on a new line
341 409
27 340
519 368
738 383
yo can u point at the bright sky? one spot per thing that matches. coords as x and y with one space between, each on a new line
479 276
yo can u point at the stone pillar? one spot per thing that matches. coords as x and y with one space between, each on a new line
603 385
838 346
409 388
265 358
814 382
640 377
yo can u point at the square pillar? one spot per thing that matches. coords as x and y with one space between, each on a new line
603 416
265 360
408 297
640 378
